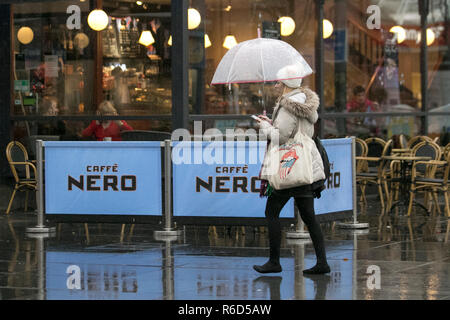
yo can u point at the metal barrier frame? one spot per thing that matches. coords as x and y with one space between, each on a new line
167 216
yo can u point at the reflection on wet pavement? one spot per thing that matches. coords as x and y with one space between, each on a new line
111 261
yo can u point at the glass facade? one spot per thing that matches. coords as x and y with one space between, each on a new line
62 69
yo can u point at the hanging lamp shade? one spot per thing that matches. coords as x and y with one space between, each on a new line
400 32
327 28
207 41
287 26
146 38
194 18
98 20
430 37
229 42
25 35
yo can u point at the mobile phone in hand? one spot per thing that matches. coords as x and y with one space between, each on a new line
255 117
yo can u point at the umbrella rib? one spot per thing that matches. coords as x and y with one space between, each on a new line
262 63
234 60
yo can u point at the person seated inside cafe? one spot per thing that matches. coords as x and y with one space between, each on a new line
106 129
49 107
360 103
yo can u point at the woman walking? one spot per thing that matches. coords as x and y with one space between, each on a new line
296 111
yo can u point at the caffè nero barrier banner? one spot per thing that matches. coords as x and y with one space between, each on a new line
210 179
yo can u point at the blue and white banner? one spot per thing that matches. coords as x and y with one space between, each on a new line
97 177
220 179
338 195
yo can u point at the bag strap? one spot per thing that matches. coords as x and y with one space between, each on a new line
293 92
287 95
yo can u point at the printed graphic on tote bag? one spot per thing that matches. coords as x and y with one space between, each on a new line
288 160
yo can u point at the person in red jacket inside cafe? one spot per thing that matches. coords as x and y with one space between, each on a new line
106 128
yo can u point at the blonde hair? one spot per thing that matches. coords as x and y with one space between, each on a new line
106 107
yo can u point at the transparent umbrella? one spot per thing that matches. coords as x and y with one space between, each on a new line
259 60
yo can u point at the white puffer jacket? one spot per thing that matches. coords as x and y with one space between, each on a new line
300 106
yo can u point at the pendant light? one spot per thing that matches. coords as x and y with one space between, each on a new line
25 35
207 41
400 32
431 36
287 26
194 18
146 37
230 40
327 28
98 20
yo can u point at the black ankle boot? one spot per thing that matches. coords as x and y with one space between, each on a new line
268 267
318 269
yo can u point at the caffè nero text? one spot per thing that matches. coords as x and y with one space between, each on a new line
111 181
237 183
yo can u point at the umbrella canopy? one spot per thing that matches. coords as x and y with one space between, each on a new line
259 60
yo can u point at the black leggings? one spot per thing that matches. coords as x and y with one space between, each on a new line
305 205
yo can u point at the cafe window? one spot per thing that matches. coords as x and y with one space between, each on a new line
227 23
376 69
63 67
438 69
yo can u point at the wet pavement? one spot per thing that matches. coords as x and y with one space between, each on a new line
397 258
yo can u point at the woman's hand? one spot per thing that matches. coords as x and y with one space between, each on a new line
262 117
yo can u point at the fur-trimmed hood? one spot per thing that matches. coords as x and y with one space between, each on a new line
307 109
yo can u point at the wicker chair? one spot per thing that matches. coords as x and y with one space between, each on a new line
429 183
416 140
360 151
23 170
377 176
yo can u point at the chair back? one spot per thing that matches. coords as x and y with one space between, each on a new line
360 151
16 152
416 140
387 150
144 135
360 148
375 147
445 151
426 149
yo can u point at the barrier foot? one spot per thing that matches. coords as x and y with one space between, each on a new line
297 235
167 234
40 235
352 225
40 229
